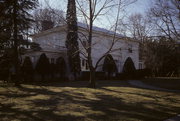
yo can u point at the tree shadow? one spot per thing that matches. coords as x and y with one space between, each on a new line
56 103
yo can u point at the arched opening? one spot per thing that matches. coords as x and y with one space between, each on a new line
61 67
109 66
129 68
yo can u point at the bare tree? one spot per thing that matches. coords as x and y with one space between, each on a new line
138 27
91 10
46 18
165 15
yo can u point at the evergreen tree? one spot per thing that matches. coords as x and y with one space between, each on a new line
162 57
27 69
129 68
52 70
5 28
61 67
16 19
109 65
72 36
42 66
4 67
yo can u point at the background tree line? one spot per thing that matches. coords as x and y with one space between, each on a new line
159 36
157 31
19 19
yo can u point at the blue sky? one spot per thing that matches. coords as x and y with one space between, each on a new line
138 7
141 6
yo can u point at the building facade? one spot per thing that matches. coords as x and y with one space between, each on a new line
52 42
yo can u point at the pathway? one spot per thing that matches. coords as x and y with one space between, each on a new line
176 118
143 85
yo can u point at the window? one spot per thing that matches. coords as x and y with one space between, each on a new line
87 66
52 60
140 66
83 62
33 59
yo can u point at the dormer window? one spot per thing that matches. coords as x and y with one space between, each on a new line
130 48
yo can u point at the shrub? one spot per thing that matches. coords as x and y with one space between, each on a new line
27 69
120 76
85 75
42 66
129 68
61 67
52 70
109 66
4 68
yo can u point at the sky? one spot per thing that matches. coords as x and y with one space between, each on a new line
141 6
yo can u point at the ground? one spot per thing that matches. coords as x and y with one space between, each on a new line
72 101
164 82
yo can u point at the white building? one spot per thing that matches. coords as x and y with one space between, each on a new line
52 42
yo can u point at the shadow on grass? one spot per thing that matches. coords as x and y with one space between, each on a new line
99 83
56 102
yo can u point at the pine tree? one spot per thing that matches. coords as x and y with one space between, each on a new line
72 36
42 66
129 68
17 19
5 28
109 66
61 67
27 69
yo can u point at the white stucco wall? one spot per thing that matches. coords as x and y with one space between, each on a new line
119 52
54 40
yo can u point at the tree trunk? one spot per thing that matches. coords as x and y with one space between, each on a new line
92 81
42 77
75 76
16 56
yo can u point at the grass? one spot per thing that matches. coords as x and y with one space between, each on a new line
72 101
163 82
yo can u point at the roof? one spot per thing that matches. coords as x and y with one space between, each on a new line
85 26
98 29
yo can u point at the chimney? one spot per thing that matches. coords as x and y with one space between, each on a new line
47 25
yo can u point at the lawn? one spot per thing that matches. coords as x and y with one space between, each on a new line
72 101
